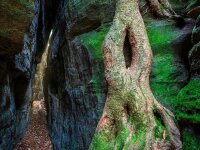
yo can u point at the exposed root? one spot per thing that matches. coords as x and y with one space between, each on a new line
161 8
105 120
173 131
168 119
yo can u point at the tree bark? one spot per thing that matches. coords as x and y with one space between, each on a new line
161 8
130 104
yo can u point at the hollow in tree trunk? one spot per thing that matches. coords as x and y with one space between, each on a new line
132 117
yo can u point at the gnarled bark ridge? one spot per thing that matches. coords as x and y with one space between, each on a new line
161 8
131 108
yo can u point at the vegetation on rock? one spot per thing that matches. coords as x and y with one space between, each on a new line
187 104
93 42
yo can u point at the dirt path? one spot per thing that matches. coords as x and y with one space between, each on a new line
36 137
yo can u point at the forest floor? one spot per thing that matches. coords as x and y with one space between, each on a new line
36 137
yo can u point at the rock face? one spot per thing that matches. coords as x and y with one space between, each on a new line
194 57
15 19
76 94
186 104
194 54
25 33
75 87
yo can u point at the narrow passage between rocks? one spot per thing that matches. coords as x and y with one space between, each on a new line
37 136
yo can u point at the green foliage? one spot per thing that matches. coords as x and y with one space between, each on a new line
188 102
190 142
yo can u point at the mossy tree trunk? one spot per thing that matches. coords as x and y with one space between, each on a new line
132 117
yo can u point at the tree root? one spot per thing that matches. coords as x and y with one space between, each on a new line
161 8
173 131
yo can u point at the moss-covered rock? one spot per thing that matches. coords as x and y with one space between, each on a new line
164 85
167 75
161 34
93 42
188 102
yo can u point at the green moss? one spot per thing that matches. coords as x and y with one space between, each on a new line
137 140
162 79
93 42
163 67
99 143
160 34
158 134
188 101
103 140
190 142
139 137
166 76
165 92
116 135
121 138
167 80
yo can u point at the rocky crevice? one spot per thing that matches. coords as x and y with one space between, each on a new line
18 72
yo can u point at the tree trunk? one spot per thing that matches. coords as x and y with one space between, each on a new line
132 117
